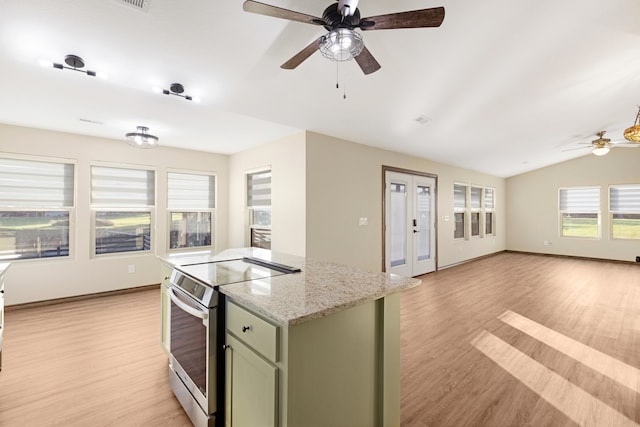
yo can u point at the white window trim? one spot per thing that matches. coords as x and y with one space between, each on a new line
150 209
487 210
599 213
71 209
612 212
214 213
463 210
249 209
474 210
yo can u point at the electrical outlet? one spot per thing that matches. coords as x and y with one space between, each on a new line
363 221
132 268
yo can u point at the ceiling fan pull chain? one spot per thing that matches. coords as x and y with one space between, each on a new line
337 75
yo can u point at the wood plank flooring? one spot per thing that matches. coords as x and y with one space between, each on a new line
523 340
509 340
95 362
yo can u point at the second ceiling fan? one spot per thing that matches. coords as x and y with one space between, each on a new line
340 19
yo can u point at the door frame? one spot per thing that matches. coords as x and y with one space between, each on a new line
386 169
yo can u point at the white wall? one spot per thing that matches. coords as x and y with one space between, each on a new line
286 157
344 183
34 280
532 213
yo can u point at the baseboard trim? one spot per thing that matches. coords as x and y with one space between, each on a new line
79 297
444 267
617 261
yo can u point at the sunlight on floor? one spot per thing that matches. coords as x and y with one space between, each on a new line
613 368
565 396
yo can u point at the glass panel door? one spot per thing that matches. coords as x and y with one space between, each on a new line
409 224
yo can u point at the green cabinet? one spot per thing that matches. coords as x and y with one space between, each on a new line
165 307
338 370
251 382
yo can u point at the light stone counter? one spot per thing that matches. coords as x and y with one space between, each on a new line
318 290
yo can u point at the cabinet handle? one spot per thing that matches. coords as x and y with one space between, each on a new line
246 328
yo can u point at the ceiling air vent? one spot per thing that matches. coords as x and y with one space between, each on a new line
138 4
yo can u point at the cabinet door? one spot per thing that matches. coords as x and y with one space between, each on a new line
165 318
165 306
251 395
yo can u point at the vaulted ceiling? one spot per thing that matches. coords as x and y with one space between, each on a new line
503 86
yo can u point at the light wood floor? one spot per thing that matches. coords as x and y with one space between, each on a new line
572 357
509 340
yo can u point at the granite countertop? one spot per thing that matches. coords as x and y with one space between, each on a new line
320 289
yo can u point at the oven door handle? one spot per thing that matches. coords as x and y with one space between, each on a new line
194 311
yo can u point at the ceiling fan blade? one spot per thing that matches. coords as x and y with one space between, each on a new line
573 149
412 19
299 57
278 12
367 62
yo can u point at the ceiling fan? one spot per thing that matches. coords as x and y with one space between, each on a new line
602 145
341 19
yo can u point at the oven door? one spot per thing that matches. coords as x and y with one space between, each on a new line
192 356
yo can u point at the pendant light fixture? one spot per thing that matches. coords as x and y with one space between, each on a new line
142 139
633 133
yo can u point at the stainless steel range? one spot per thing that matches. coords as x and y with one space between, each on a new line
196 359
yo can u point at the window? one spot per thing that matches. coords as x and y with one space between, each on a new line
191 202
122 200
36 205
624 208
580 212
459 209
259 204
475 205
489 213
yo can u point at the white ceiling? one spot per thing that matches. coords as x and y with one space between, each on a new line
507 85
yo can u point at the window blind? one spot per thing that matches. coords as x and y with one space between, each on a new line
459 196
476 197
191 191
624 198
259 189
580 199
488 198
121 187
36 184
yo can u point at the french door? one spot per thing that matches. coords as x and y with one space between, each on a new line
410 233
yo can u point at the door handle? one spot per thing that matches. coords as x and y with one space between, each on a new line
416 231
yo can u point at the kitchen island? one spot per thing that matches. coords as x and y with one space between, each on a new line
316 348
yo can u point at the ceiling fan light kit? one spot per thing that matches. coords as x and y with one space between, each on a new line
141 138
341 44
340 19
633 133
600 151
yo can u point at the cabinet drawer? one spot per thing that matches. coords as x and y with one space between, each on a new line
257 333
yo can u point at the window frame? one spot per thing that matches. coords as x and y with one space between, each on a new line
562 212
613 212
251 209
212 211
71 209
460 210
489 211
150 209
476 211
